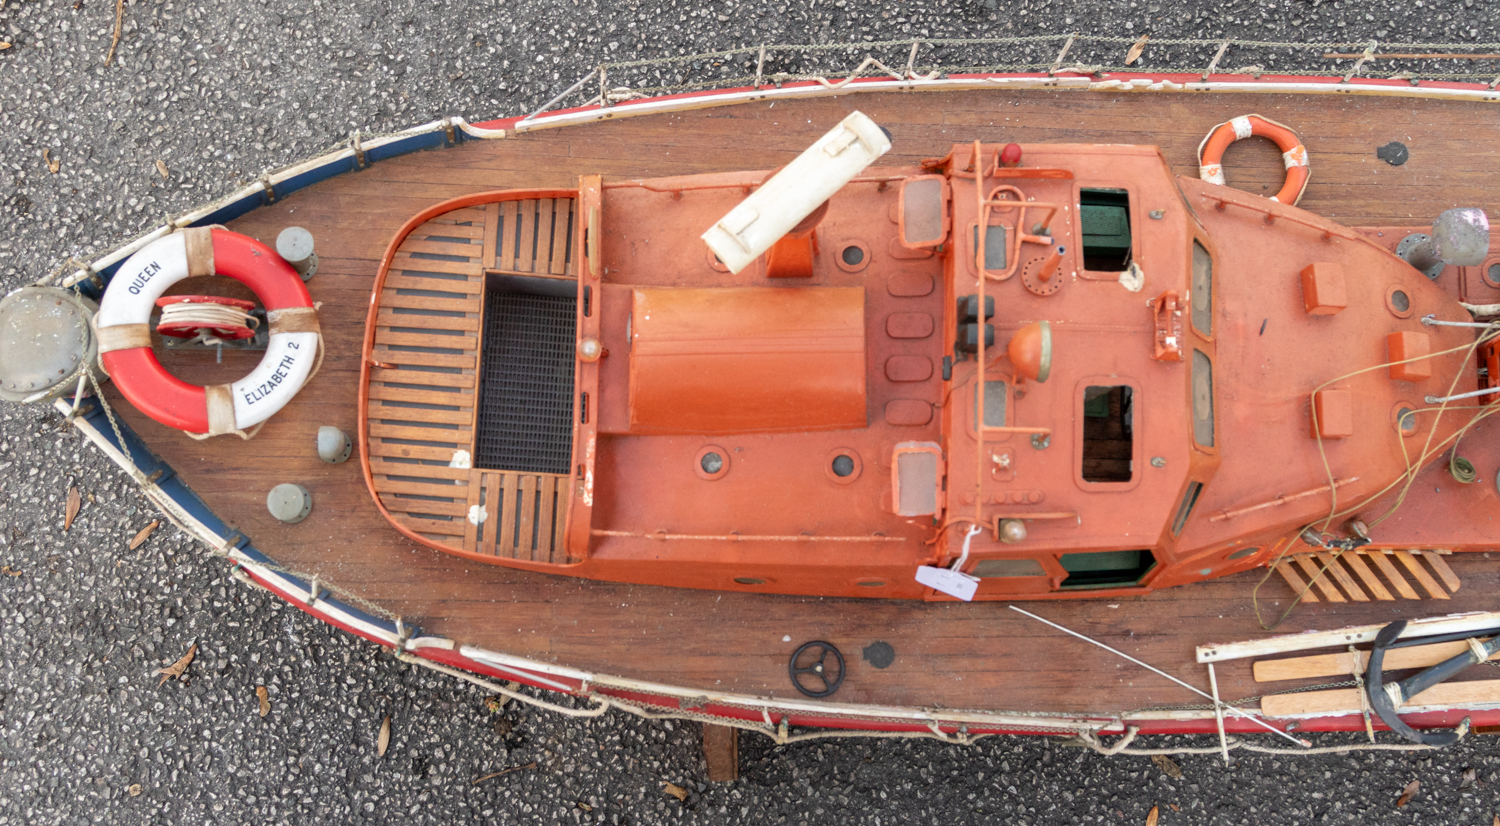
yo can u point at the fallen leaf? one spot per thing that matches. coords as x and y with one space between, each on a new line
584 806
52 165
74 501
140 538
674 790
134 789
1167 765
496 702
162 168
9 571
1175 807
503 772
1152 815
1408 793
265 700
1135 50
1497 821
175 670
385 737
4 46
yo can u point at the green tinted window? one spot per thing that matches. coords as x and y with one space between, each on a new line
1203 290
1203 399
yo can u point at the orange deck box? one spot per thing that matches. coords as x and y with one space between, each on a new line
1324 289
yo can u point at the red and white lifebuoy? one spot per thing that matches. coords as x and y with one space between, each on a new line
124 331
1293 153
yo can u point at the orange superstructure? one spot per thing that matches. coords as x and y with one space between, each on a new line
1124 379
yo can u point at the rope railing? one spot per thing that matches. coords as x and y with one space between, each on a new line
1097 55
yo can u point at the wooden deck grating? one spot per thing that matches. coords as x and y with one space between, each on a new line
1338 585
425 382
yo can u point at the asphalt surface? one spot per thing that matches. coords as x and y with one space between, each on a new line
220 91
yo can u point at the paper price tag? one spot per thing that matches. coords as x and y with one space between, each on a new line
954 584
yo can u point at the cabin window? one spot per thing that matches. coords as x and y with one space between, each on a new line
1184 510
994 403
1203 399
1105 216
1106 569
993 568
1108 433
1203 290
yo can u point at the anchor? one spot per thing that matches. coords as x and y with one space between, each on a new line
1386 698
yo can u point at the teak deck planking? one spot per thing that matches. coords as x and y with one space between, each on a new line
957 656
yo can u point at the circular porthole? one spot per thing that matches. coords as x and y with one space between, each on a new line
1491 274
749 580
713 261
711 463
852 256
1398 302
1404 418
843 465
1241 553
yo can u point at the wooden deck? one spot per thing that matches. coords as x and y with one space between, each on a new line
957 656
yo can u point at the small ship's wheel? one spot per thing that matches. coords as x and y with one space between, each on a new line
812 671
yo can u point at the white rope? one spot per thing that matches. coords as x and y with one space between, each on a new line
210 315
1122 746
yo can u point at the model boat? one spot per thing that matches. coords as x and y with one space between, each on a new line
638 408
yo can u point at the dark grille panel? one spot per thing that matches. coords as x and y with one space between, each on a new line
526 387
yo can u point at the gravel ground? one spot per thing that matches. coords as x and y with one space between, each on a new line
220 91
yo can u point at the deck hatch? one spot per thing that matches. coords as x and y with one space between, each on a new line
525 420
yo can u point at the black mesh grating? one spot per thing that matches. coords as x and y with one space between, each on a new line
526 386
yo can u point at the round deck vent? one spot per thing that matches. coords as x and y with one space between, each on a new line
1398 302
852 256
711 463
843 465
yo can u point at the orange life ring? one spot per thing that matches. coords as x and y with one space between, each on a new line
124 332
1293 153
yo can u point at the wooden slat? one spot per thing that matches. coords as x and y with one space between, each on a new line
528 505
505 545
397 504
462 343
414 358
1438 564
461 398
546 210
402 281
491 220
465 215
1288 573
381 448
507 257
471 529
1322 582
561 209
386 413
461 438
559 520
390 298
436 527
406 265
1425 579
1351 587
545 492
454 492
469 251
1346 700
469 324
420 377
526 257
492 518
1392 575
379 465
1357 563
1344 662
472 231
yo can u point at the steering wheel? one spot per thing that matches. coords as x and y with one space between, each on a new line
816 677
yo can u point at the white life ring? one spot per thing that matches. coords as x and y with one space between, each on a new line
124 332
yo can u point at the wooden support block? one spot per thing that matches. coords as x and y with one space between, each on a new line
1425 579
1445 573
721 750
1318 577
1343 663
1346 700
1383 562
1351 587
1367 576
1288 573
